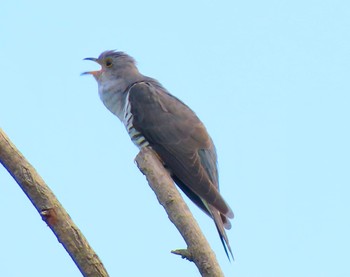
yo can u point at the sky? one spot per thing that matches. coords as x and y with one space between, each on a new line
269 79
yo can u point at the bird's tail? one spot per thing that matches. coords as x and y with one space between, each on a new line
221 222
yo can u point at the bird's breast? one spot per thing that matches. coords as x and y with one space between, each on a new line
114 100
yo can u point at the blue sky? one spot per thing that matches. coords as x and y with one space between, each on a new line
270 80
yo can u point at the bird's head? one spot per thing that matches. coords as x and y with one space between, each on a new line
118 72
114 64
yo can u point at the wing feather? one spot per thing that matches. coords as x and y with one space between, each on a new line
180 139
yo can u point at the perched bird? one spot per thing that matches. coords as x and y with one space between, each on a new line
153 117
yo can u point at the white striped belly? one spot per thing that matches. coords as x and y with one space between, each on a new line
137 138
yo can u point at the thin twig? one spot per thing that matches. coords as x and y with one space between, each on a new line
198 249
50 209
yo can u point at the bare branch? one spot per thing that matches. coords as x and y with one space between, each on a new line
198 249
67 233
50 209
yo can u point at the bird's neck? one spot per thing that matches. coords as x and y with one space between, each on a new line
114 92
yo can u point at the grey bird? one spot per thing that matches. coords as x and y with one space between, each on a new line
153 117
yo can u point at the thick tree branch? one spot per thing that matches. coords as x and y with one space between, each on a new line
52 212
50 209
198 249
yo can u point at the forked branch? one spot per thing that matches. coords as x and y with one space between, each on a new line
67 233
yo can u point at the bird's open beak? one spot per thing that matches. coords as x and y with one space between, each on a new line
95 73
91 59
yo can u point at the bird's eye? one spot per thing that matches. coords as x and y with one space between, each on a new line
108 63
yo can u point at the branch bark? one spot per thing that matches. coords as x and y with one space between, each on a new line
50 209
198 249
68 234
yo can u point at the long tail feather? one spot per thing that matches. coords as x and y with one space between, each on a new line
221 230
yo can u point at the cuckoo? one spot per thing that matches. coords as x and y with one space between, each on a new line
155 118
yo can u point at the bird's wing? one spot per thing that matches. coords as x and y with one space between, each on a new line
180 139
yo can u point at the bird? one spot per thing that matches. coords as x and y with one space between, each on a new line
155 118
